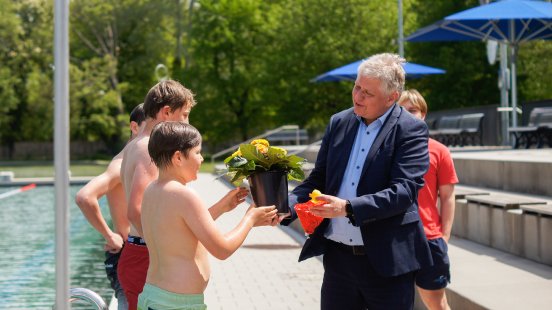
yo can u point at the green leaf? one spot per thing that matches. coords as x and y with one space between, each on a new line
296 174
236 162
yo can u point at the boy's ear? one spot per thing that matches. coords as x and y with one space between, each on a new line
166 110
177 158
134 127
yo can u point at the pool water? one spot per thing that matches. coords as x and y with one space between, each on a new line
27 265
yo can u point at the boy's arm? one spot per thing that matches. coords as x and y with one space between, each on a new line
229 202
145 172
446 197
202 225
87 200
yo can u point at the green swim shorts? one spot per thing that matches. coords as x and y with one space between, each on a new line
154 298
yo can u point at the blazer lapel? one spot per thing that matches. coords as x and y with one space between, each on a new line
344 144
384 131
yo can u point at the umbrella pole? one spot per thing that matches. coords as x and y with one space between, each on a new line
505 119
514 87
401 35
514 74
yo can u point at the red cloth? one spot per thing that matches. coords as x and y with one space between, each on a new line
441 172
132 271
308 220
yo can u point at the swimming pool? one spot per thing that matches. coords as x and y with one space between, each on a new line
27 265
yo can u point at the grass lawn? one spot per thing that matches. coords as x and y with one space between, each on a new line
38 169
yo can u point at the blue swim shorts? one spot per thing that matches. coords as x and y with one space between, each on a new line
435 277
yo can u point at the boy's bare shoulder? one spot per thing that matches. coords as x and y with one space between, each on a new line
181 194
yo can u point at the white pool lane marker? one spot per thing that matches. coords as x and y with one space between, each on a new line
17 191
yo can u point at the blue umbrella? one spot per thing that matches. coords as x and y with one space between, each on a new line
349 72
510 21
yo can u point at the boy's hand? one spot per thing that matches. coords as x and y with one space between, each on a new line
263 216
114 243
233 198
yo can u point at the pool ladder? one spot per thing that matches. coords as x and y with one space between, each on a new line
89 296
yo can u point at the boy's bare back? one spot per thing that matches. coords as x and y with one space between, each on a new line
137 170
178 261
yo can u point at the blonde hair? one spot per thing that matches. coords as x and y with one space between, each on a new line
415 98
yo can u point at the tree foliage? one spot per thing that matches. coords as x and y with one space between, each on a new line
249 62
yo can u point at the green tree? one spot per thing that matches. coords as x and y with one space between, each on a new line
26 50
469 80
114 49
229 43
315 36
534 67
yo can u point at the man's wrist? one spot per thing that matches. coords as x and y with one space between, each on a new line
349 210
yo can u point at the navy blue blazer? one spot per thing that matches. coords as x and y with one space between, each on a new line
386 207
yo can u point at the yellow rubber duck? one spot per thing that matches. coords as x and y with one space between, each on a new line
315 193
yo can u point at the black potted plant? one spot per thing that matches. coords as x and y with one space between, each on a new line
267 169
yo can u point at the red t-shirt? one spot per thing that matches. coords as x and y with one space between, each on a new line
441 172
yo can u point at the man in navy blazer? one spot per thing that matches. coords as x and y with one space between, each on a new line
370 167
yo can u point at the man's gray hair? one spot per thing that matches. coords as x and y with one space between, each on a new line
387 68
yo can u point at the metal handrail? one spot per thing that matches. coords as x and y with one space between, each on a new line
266 133
80 293
306 147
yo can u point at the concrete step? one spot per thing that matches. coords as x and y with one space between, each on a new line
486 278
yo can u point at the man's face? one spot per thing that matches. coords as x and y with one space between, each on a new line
412 109
369 101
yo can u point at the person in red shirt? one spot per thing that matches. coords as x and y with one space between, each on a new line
436 207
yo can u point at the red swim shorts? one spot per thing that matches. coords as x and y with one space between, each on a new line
132 271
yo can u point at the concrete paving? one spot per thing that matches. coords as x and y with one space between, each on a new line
264 272
493 279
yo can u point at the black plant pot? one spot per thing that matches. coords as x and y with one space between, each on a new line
270 188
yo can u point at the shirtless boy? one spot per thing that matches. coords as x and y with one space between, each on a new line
166 101
177 227
109 184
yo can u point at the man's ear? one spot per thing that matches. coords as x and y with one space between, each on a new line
423 116
394 97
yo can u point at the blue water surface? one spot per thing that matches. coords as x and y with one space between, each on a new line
27 262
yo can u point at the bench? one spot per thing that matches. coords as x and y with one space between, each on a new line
460 130
537 131
471 133
289 137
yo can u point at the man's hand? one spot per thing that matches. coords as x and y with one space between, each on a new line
334 207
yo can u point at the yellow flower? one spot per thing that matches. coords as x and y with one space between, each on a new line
237 153
261 142
263 149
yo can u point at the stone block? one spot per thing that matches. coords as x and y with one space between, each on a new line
460 218
498 229
545 244
513 226
479 222
531 236
6 176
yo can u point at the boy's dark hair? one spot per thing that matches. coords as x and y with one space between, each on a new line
168 137
137 114
167 93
